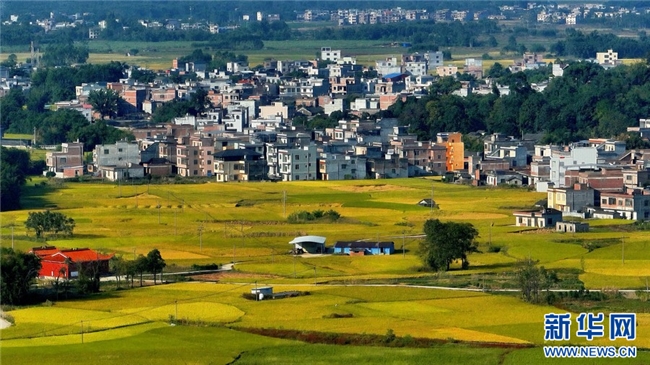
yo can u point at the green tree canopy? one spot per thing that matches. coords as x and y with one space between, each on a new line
447 242
105 102
155 263
13 170
47 221
18 270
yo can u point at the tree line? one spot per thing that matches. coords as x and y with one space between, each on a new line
588 101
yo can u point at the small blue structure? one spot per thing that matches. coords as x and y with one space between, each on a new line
364 248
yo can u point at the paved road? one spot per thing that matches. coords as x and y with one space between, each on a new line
149 277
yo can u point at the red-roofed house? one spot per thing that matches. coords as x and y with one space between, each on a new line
66 263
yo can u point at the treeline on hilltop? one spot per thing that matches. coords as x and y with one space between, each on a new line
588 101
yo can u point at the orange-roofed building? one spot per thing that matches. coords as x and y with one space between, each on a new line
65 263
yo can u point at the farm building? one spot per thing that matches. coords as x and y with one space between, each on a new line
571 227
538 218
364 248
427 203
263 292
309 244
67 262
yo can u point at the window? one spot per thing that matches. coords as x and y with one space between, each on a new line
119 150
297 177
196 153
628 177
196 172
106 151
64 160
209 162
209 153
296 157
196 162
297 167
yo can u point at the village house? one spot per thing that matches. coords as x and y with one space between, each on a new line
66 163
360 248
66 263
571 199
633 205
537 218
118 161
239 165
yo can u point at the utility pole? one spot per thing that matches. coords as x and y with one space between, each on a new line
491 224
431 206
134 248
175 221
201 238
243 243
82 331
159 206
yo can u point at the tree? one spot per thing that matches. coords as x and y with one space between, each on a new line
105 102
447 242
532 280
18 270
140 266
61 54
42 222
88 280
155 263
117 265
13 171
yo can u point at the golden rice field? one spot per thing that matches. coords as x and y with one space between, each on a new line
111 320
246 223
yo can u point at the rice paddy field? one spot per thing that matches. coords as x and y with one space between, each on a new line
246 223
132 326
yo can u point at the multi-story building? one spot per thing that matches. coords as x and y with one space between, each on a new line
609 58
120 153
333 166
328 54
571 199
239 165
187 160
388 66
455 149
443 71
66 163
298 163
579 157
634 204
437 159
206 151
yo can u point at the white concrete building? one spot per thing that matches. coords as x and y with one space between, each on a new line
579 157
296 164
